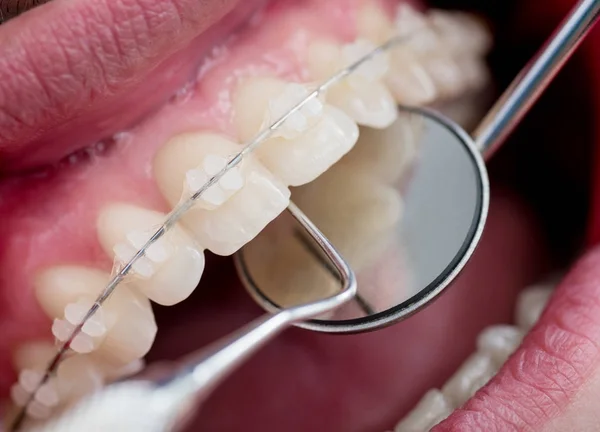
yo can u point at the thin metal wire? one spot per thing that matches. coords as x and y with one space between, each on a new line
177 213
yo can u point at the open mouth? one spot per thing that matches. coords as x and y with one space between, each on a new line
110 113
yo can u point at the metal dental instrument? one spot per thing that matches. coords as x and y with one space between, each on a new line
166 402
445 201
126 268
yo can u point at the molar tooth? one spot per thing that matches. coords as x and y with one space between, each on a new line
373 23
408 80
298 160
474 373
225 229
130 322
499 342
431 409
462 32
362 95
173 264
413 24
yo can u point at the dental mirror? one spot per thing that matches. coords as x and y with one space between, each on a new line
406 207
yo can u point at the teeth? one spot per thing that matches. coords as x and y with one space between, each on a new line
78 376
373 24
38 411
362 95
461 32
414 25
230 226
499 342
409 81
386 154
470 377
173 264
432 409
130 325
530 305
217 194
357 214
328 136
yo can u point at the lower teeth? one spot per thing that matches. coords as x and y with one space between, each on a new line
494 345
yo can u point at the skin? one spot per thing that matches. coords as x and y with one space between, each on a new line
355 383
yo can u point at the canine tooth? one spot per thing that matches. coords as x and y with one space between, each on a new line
431 409
176 261
299 160
530 305
474 373
130 322
227 228
499 342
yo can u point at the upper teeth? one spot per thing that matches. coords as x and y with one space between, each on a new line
238 206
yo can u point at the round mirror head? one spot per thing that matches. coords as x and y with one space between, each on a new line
405 208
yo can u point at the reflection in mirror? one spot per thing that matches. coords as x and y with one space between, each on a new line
403 208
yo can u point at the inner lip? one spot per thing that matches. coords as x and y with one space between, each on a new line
28 152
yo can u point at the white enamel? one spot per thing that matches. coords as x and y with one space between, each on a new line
373 23
299 160
356 212
499 342
530 305
176 260
132 328
362 95
474 373
463 33
386 154
431 409
238 220
47 394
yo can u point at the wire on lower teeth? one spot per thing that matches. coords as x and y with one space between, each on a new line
178 212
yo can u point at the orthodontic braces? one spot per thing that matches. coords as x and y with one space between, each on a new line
178 212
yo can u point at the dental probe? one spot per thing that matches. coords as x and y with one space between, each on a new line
178 212
165 403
